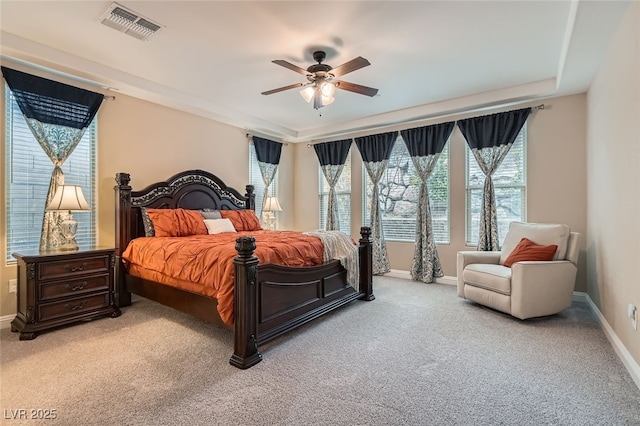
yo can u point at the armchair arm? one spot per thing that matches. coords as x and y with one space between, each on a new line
472 256
541 288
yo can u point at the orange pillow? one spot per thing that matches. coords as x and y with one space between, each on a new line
527 250
243 220
177 222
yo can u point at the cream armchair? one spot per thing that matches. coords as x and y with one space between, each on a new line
526 289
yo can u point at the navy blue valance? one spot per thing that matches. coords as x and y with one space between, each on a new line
427 140
493 130
374 148
267 151
332 153
52 102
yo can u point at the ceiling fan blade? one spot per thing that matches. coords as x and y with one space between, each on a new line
352 65
281 89
356 88
292 67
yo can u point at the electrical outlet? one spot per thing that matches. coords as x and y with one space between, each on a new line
632 312
13 286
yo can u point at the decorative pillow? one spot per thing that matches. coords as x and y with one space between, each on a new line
146 222
527 250
210 214
216 226
177 222
243 220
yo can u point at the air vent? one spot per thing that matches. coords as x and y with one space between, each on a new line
129 22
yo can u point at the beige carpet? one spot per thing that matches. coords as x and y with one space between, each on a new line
417 355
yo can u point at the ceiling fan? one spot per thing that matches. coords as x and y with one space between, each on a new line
321 83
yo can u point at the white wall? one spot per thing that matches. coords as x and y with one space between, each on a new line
613 186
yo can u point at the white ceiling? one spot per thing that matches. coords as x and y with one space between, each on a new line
428 58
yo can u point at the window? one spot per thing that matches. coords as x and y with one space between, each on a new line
399 196
509 183
255 179
343 197
28 173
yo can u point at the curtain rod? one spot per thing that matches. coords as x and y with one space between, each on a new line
250 135
309 145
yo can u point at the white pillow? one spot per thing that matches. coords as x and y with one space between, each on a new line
216 226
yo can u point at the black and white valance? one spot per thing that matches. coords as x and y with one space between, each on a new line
490 138
375 151
58 115
332 156
425 145
268 154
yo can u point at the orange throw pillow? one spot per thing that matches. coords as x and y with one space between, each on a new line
243 220
177 222
527 250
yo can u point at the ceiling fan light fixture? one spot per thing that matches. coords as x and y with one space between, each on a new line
328 89
327 100
307 93
320 84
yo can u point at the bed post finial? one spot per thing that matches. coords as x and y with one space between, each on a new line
123 179
251 197
366 264
245 344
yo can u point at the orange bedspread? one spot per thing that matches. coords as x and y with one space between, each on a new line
204 263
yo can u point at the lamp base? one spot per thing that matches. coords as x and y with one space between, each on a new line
68 228
269 220
69 245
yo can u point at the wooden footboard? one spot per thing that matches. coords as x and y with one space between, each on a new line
271 300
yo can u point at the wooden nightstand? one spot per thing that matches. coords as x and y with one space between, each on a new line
60 288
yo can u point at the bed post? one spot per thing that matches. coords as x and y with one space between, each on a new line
123 235
251 197
245 339
366 264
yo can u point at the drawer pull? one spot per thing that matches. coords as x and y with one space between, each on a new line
74 307
76 287
76 269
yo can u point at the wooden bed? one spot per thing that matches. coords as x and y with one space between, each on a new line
270 300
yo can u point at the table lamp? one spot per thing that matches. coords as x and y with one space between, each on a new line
68 198
270 206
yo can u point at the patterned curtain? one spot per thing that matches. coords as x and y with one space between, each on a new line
58 115
490 138
375 151
332 156
268 154
425 145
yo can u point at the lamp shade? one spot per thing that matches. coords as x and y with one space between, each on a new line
69 197
272 205
308 92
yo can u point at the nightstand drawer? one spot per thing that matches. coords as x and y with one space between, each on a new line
54 290
66 268
76 306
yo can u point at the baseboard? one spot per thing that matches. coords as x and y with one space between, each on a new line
579 296
5 321
406 275
627 360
